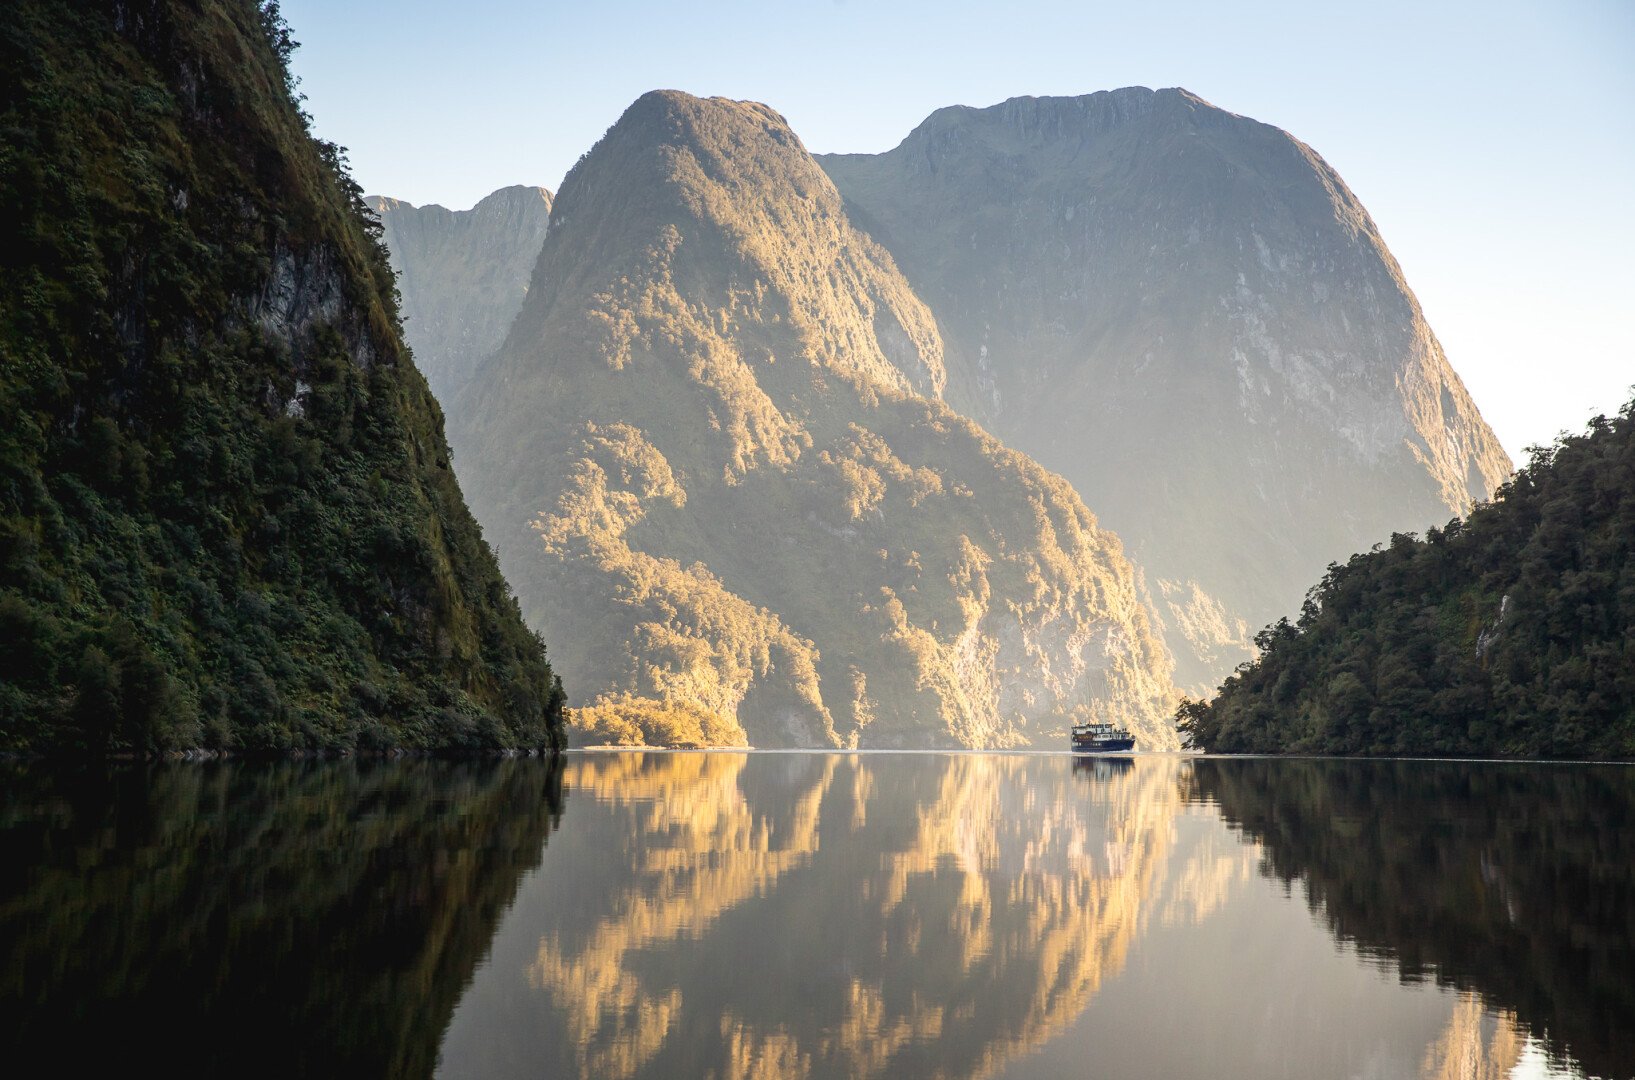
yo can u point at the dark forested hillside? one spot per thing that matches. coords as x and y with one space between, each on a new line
227 516
1511 632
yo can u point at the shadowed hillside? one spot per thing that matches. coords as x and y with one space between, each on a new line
462 275
227 515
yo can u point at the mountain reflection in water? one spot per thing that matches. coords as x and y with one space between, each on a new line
822 913
736 915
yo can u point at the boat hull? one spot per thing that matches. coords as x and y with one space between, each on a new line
1102 746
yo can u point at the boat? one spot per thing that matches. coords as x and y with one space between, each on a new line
1101 739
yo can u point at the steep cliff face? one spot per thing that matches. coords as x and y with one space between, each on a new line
714 459
462 275
1189 316
227 515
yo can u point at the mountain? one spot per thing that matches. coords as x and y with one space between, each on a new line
1505 634
1189 316
227 516
714 457
462 275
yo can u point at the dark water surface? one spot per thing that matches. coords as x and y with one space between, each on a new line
759 915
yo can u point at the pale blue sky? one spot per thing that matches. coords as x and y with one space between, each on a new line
1494 143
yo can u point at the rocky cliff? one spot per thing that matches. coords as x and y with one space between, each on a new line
715 459
1189 316
227 515
462 275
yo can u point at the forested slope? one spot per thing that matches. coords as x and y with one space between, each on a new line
1511 632
227 516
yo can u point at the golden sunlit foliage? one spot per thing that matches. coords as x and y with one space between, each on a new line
627 720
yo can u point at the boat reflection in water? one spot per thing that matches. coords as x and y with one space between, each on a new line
1102 768
739 915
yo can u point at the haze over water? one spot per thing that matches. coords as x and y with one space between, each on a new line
737 915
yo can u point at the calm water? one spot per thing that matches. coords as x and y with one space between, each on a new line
737 916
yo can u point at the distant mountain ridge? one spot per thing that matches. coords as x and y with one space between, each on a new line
1190 316
463 275
714 459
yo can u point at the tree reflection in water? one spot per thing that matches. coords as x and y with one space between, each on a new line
288 919
741 915
1512 881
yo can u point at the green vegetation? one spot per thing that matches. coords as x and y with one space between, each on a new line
1514 881
275 919
626 720
1509 633
227 516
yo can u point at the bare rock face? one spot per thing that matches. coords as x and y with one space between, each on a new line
1189 316
462 275
714 457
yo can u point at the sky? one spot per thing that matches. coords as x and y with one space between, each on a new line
1493 143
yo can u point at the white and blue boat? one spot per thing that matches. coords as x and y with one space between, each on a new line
1101 739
